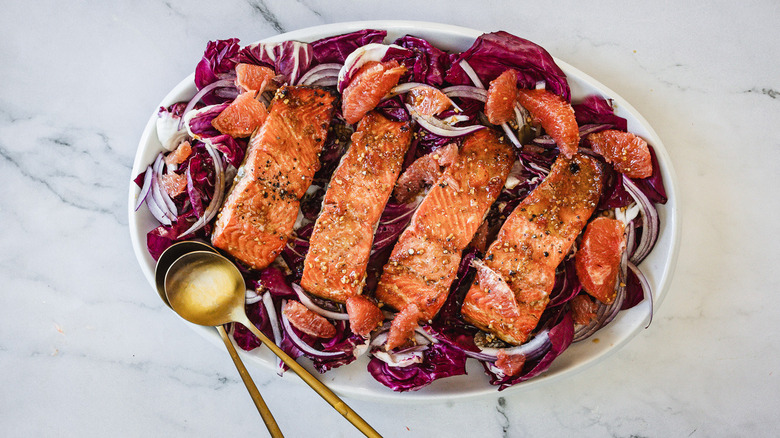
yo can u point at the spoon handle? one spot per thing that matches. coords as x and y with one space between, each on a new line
265 413
315 384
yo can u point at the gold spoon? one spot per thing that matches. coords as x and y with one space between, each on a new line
206 288
167 258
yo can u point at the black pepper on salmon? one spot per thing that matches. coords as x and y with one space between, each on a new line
258 216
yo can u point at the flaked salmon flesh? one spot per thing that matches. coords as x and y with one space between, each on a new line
425 260
340 245
259 213
531 244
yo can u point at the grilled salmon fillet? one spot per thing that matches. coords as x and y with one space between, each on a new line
260 211
425 259
340 244
531 244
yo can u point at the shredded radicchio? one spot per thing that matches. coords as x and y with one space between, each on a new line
453 338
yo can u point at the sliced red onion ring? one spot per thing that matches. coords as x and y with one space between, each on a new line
158 165
306 301
650 221
203 91
154 208
409 86
512 137
252 297
630 239
591 128
646 290
300 343
604 315
467 92
421 337
144 188
405 88
426 335
400 360
379 339
159 201
321 73
273 319
541 171
323 82
539 343
219 191
436 126
544 140
471 74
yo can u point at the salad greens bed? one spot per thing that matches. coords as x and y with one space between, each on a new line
445 344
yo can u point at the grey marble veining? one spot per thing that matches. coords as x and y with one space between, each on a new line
87 348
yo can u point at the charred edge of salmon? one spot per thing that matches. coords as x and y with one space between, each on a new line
401 286
575 186
286 99
368 148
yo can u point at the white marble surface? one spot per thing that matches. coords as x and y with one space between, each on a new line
87 348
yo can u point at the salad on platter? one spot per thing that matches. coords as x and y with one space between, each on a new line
549 204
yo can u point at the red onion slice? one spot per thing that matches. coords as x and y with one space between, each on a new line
252 297
300 343
438 127
604 314
158 165
203 91
400 360
324 82
144 188
466 92
405 88
421 337
650 221
646 290
471 74
273 319
512 137
159 201
156 211
539 343
321 73
306 301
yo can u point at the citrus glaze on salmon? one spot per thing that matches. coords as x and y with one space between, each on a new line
425 259
258 216
340 244
512 289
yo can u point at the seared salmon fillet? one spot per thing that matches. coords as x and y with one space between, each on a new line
531 244
340 244
425 259
259 213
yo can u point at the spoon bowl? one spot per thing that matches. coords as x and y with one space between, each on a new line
205 288
169 256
